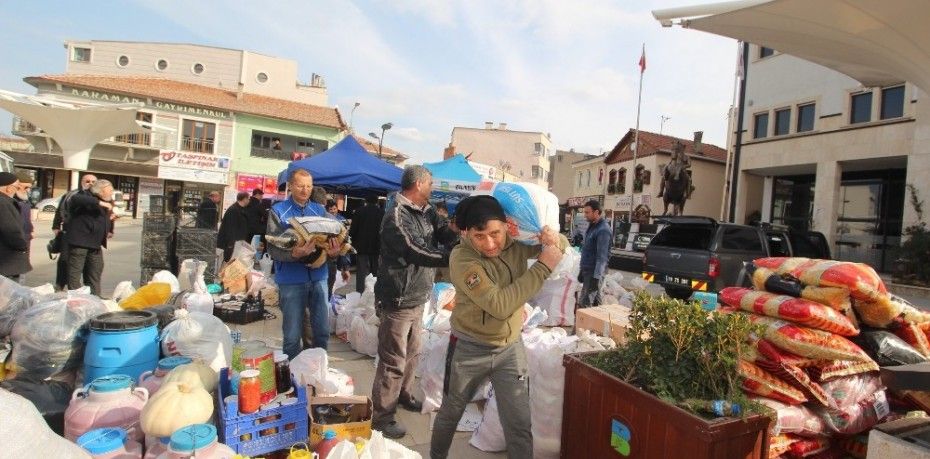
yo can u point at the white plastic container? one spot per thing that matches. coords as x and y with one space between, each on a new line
197 440
109 401
110 443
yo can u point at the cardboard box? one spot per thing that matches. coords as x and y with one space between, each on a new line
608 320
907 377
360 413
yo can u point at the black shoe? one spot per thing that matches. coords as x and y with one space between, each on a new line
392 430
411 404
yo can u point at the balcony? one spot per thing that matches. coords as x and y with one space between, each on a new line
271 153
134 139
198 145
23 127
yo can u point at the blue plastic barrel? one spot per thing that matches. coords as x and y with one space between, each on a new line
123 342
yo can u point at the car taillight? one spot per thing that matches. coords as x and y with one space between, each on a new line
713 267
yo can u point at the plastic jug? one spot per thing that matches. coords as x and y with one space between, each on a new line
156 447
301 451
199 439
151 380
110 401
121 342
328 443
110 443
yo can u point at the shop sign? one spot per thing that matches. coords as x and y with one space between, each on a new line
190 160
248 182
271 186
151 186
170 106
646 200
623 202
579 201
192 175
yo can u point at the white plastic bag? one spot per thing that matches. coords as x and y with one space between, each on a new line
14 299
125 289
557 299
198 335
489 436
196 302
256 282
310 367
339 282
190 276
528 208
244 252
363 335
266 263
443 293
21 416
165 277
338 383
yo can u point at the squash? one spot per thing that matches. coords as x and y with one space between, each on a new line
192 372
175 405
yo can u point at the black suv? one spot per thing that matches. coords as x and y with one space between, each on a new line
701 254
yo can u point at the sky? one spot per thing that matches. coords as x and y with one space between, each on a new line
567 68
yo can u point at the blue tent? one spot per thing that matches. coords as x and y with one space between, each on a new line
453 180
348 168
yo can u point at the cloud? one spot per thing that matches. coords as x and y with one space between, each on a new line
408 133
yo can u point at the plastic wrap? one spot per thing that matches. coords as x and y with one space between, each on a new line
887 349
853 389
198 335
151 294
14 299
858 417
49 337
794 419
310 367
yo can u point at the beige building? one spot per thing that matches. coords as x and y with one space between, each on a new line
231 69
640 183
819 151
525 155
589 181
562 173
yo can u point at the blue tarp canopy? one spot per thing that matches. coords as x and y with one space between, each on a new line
348 168
453 180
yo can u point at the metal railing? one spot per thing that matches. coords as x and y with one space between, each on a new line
21 126
197 144
135 139
270 153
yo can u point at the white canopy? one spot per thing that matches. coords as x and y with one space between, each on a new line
877 42
75 128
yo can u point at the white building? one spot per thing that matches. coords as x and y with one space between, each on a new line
523 154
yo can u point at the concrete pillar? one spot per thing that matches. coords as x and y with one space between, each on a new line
918 164
826 199
768 189
742 191
75 182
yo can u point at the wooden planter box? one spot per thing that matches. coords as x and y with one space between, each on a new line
604 417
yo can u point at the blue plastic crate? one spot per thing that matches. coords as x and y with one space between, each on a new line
233 426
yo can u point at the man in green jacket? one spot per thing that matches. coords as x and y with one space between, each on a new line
492 281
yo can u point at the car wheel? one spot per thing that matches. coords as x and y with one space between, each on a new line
48 209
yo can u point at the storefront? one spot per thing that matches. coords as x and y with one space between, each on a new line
573 213
189 179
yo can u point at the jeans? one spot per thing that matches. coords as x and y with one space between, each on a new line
297 300
85 265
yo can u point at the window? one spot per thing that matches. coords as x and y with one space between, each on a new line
198 136
122 61
892 102
782 121
612 177
806 117
760 126
197 68
538 149
138 139
262 77
588 179
746 239
538 172
695 237
161 65
80 54
621 181
765 52
639 179
861 108
579 180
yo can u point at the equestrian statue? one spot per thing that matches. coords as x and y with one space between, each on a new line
675 187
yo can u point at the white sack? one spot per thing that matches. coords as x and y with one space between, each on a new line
528 208
198 335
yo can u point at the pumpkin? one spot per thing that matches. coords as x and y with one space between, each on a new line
175 405
195 371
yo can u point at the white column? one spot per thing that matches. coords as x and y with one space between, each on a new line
768 189
75 180
918 164
826 199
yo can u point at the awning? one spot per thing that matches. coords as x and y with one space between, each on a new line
877 42
76 129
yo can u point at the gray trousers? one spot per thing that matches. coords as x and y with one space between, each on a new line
468 365
398 356
87 265
590 294
367 264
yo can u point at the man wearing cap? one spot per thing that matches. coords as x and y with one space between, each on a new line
492 283
256 214
234 227
60 224
208 214
25 207
90 226
14 255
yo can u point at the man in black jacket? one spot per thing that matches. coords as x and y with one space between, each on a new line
14 257
409 256
256 214
365 233
234 227
88 229
60 224
208 214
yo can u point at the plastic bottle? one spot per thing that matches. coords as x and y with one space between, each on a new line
719 408
328 443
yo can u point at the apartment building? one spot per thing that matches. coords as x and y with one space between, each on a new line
523 154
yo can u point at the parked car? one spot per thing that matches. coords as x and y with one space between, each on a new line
48 204
701 254
51 204
641 241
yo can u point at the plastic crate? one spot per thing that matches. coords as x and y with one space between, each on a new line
249 311
157 223
156 249
290 422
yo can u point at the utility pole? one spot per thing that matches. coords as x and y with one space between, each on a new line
663 119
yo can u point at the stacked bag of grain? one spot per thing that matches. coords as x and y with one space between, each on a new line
824 388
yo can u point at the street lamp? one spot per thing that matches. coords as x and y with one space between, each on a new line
352 116
384 127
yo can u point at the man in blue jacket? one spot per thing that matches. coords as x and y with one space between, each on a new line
301 288
594 255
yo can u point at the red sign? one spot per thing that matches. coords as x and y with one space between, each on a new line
271 186
247 182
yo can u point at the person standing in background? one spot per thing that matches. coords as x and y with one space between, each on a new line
88 230
208 214
14 255
365 233
595 254
256 214
25 206
339 264
234 227
60 225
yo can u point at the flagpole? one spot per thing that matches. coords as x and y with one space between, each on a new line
639 104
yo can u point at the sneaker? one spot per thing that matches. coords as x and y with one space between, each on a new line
392 430
411 404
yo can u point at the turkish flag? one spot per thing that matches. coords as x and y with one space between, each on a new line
642 61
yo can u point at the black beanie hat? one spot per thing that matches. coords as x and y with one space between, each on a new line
476 211
7 178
